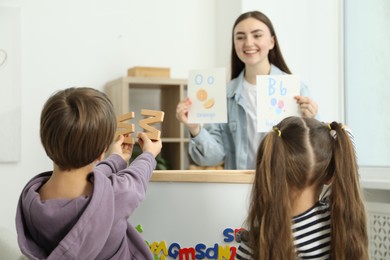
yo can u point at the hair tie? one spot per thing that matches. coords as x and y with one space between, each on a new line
277 130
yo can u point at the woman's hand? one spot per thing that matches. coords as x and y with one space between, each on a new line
309 108
182 115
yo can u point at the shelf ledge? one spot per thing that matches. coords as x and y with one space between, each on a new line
212 176
371 178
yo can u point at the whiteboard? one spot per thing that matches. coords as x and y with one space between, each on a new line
192 215
367 77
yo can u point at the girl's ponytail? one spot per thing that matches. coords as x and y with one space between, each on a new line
269 219
349 234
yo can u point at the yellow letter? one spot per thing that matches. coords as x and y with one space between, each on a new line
223 252
157 248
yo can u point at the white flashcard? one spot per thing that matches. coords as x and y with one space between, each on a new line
207 91
275 99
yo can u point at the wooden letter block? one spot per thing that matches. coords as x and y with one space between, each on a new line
124 128
155 117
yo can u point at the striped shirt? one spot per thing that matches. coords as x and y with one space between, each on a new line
311 232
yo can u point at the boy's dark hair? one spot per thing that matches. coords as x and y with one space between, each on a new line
77 125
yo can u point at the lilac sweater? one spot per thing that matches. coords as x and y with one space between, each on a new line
93 227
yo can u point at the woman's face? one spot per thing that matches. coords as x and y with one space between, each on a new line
252 41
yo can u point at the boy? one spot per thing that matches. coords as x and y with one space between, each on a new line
80 209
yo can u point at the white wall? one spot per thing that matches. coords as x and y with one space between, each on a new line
10 75
309 37
367 77
226 13
87 43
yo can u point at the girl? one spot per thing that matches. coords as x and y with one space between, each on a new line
306 201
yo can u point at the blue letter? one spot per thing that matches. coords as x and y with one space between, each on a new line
172 252
271 88
199 248
212 252
228 236
283 90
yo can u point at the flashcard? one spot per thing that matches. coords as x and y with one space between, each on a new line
275 99
207 91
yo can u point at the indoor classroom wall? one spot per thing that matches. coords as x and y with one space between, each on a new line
88 43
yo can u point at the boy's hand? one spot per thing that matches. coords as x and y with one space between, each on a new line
147 145
123 149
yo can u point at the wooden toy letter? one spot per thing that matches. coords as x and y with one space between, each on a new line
125 128
156 117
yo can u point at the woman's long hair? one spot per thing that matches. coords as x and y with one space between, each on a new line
301 152
274 56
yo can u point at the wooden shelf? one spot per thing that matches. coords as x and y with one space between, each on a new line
133 93
206 176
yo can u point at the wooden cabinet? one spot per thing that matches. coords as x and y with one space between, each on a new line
136 93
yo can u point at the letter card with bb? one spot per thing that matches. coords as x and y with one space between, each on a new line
275 99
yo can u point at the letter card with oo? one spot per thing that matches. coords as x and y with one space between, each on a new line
207 91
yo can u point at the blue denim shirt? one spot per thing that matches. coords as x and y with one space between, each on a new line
227 142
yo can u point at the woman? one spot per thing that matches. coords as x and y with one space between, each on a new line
255 51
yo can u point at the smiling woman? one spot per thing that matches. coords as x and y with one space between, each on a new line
255 51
